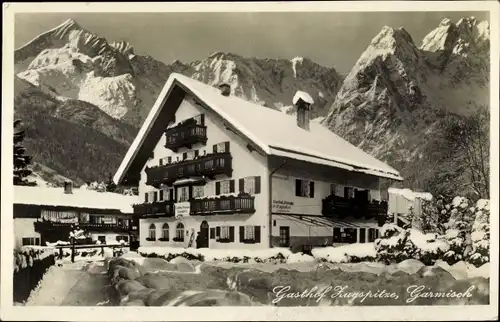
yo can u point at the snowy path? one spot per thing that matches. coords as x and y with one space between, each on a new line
72 284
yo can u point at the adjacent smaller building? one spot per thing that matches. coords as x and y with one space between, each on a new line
43 214
400 202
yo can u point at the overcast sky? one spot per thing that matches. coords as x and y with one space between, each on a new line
334 39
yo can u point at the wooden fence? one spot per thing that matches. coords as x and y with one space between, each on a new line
74 247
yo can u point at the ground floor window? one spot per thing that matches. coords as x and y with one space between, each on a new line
249 232
31 241
179 232
152 232
165 232
101 239
284 236
344 235
373 234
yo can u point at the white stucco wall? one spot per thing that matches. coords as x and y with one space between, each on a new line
244 164
23 228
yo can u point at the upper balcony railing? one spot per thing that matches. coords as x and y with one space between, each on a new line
185 134
215 205
207 165
335 206
242 203
155 209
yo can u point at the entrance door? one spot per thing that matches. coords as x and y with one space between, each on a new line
202 241
284 236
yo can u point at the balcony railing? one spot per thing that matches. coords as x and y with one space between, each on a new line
223 205
207 165
155 209
185 135
335 206
41 226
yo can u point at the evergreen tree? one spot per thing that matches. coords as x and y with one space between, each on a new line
21 161
110 185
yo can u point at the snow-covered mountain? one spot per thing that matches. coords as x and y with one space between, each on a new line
394 98
391 101
78 64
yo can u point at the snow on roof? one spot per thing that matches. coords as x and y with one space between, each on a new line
272 130
80 198
304 96
410 194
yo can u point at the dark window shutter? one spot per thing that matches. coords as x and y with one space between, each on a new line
190 192
217 188
257 234
241 185
161 161
257 184
215 148
184 156
231 186
217 232
146 197
226 146
212 233
297 187
202 119
161 194
196 153
311 189
155 196
169 160
242 233
346 192
171 194
231 233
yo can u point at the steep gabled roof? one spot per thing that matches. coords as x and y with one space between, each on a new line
274 132
79 198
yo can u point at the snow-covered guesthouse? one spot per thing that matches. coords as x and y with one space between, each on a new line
217 171
45 214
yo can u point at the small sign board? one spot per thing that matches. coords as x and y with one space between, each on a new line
182 209
282 206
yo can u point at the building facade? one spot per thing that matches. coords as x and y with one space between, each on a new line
216 171
44 215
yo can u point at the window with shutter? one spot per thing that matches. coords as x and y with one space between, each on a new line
155 196
249 232
169 160
212 233
217 188
184 156
241 185
250 185
348 192
146 197
217 232
161 194
196 153
161 161
225 186
304 188
311 189
231 186
298 187
226 146
215 148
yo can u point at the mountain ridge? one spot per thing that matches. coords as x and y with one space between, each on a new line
395 90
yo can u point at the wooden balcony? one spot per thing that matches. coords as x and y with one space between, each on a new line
44 226
185 135
155 209
335 206
223 205
208 165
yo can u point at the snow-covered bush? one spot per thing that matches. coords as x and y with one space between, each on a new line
396 245
481 234
272 255
27 255
351 253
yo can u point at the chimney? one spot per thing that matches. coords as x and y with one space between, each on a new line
68 187
302 102
225 89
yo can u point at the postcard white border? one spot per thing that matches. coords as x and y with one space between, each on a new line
407 313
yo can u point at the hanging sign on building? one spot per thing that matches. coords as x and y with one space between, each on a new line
182 209
282 206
